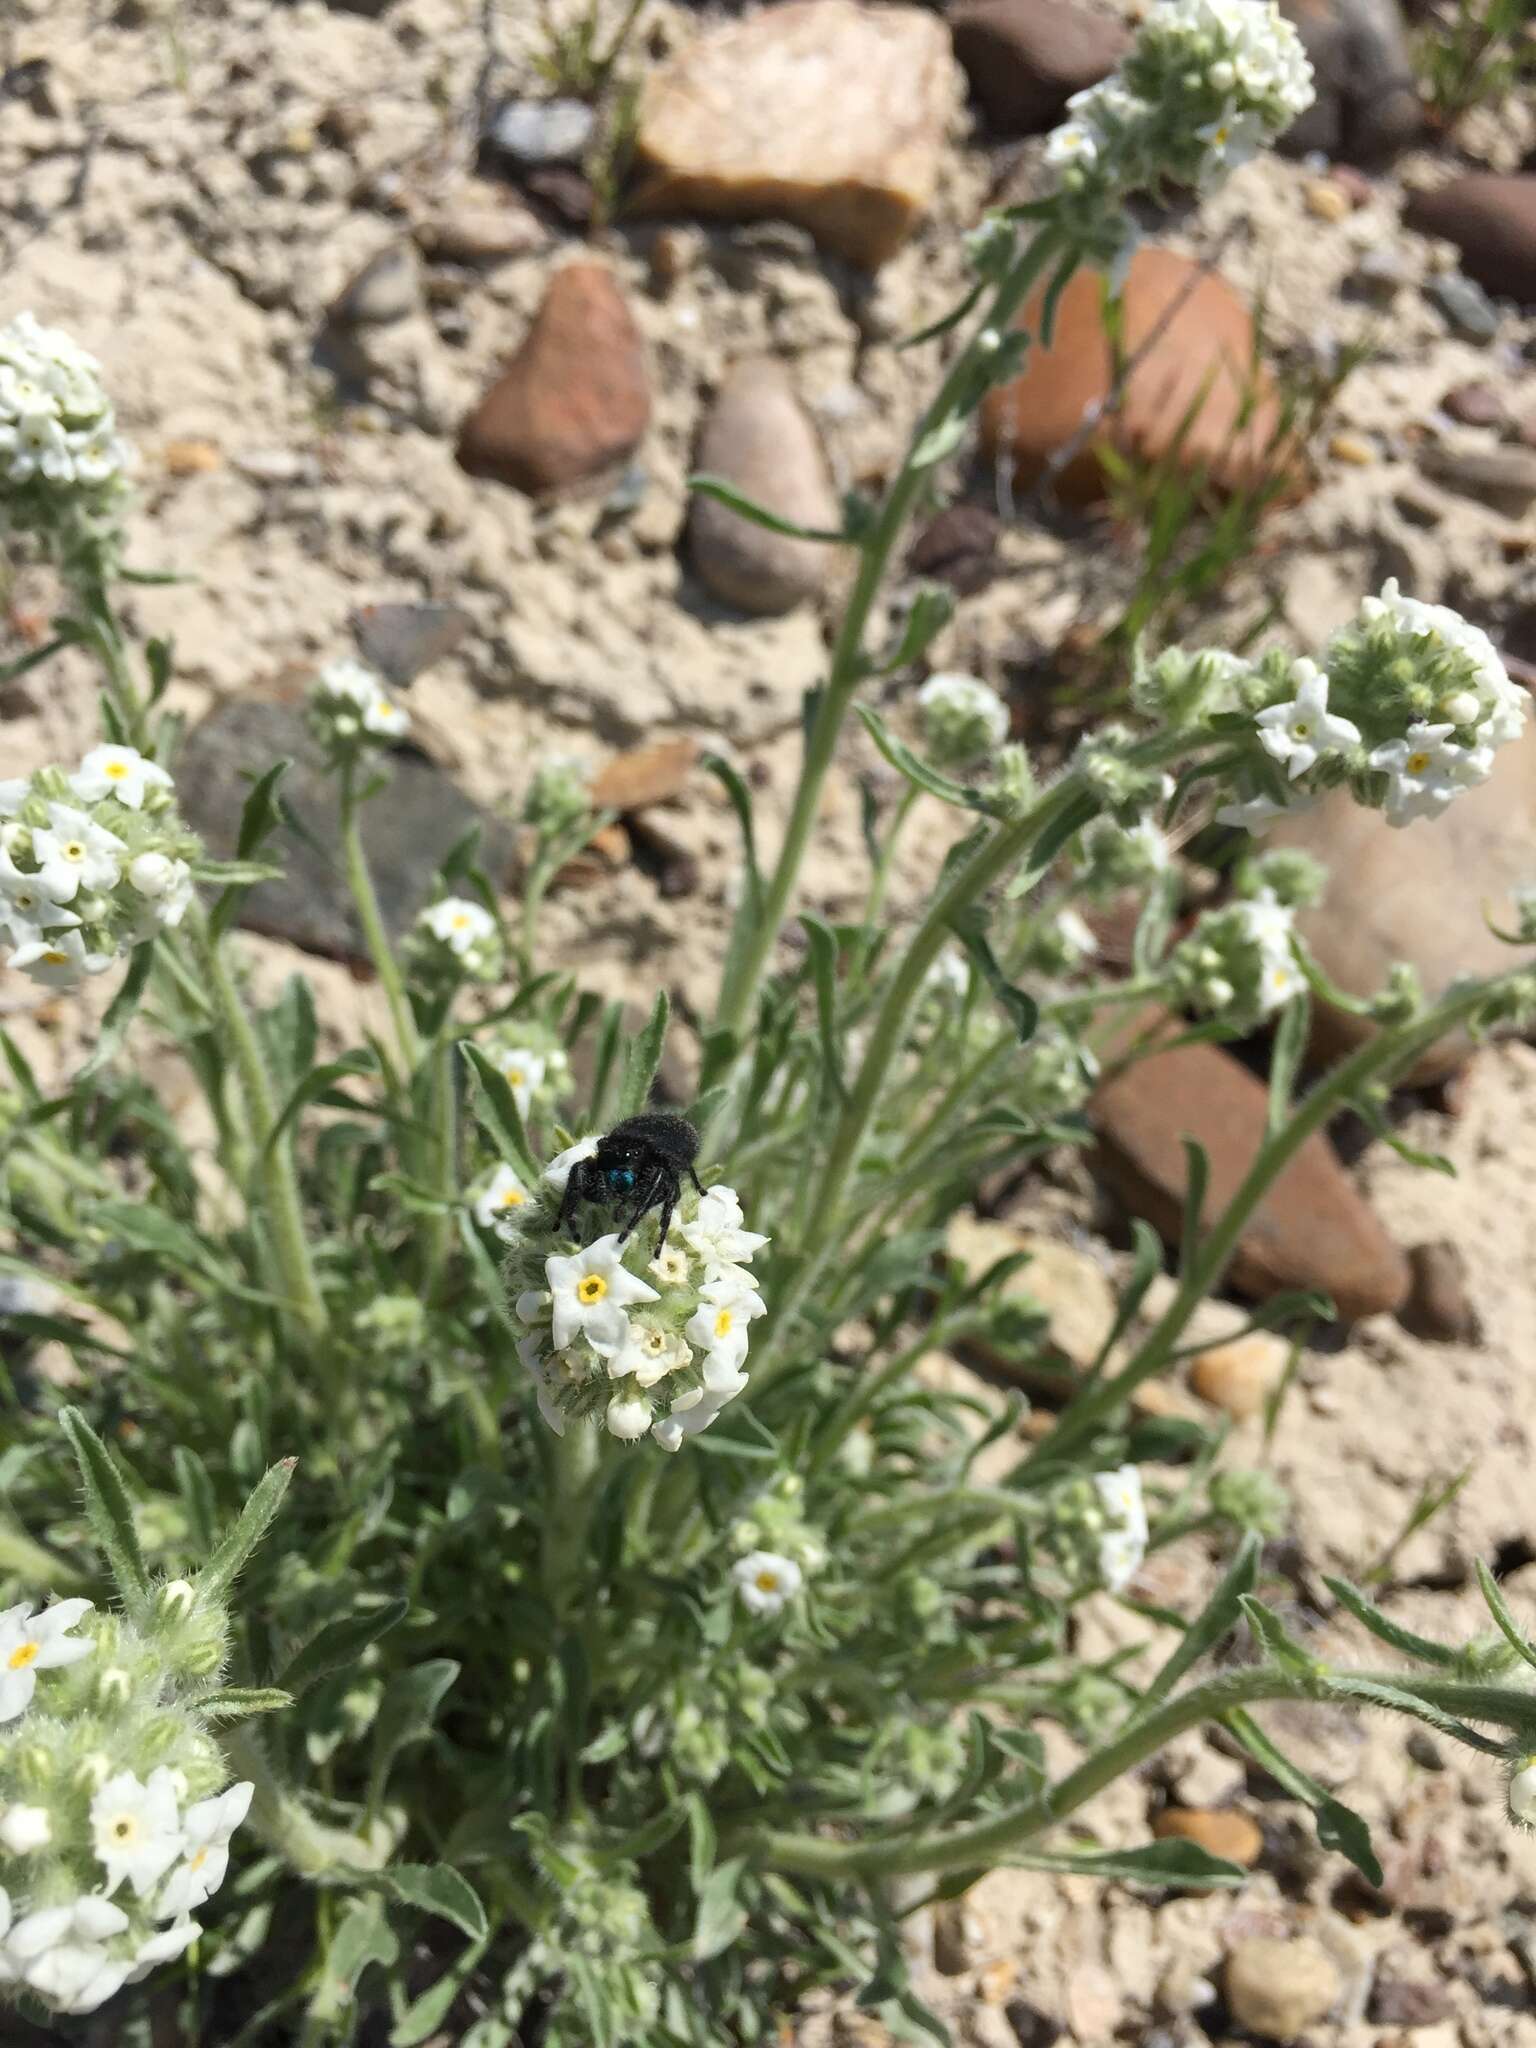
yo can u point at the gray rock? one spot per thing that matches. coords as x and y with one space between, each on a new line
539 132
407 831
758 437
1503 478
1465 306
1278 1988
387 288
1367 106
1381 271
401 640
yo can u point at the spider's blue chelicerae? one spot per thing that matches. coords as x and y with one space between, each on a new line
637 1167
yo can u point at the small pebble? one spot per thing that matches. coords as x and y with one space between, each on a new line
1381 270
1327 200
1222 1831
191 458
1278 1988
1354 183
1439 1305
1353 449
1465 306
1239 1376
1474 405
542 131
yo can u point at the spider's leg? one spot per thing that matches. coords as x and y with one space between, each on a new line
667 1203
644 1199
575 1191
698 1184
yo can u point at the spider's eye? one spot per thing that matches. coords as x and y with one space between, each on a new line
621 1178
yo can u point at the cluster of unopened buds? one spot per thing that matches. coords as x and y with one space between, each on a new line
90 863
559 794
349 709
1407 708
616 1325
62 462
1099 1527
116 1822
456 939
963 719
777 1549
1206 84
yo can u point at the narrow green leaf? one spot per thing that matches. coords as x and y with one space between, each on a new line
1173 1862
1286 1055
946 321
252 1523
643 1057
1197 1180
425 2015
196 1490
318 1082
438 1888
905 762
970 927
604 1061
1401 1701
496 1111
1383 1626
940 441
340 1644
932 608
1338 1826
121 1010
1498 1607
109 1511
239 1702
737 501
823 958
406 1714
1221 1613
261 815
720 1916
10 670
1275 1638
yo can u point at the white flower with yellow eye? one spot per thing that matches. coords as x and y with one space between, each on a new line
523 1072
74 853
589 1292
1299 732
717 1232
766 1582
30 1643
120 772
649 1352
499 1200
206 1831
459 923
136 1828
59 959
719 1329
1124 1545
385 719
1424 772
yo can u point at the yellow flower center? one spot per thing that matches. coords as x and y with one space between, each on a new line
1220 136
196 1862
124 1828
514 1076
1417 763
767 1582
511 1198
460 921
653 1343
591 1288
116 770
23 1655
55 958
1302 728
723 1322
74 850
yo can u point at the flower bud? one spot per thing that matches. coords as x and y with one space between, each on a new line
1522 1793
24 1829
176 1600
151 874
114 1687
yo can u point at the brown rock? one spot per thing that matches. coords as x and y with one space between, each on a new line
192 458
1206 346
481 223
1277 1988
823 112
1492 221
1239 1377
759 438
1409 2002
1222 1832
1474 405
1026 58
574 401
958 547
1416 893
1313 1228
642 776
1367 105
1438 1306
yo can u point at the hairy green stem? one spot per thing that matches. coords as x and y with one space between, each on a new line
848 667
284 1216
380 951
573 1466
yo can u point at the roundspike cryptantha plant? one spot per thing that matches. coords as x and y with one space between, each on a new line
91 864
116 1805
63 464
648 1338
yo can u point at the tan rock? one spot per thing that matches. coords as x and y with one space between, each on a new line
1239 1377
192 458
759 439
1191 340
823 112
1071 1290
1278 1988
1221 1832
642 776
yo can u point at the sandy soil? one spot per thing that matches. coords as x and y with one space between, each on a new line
208 180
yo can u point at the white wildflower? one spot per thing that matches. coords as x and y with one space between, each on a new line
628 1417
589 1292
24 1829
30 1643
1124 1545
1424 771
1298 733
558 1171
59 959
765 1581
120 772
73 852
206 1830
459 923
523 1072
497 1202
136 1829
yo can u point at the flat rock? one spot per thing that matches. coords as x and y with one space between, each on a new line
1239 1376
1206 345
1502 478
824 112
1440 1307
758 437
642 776
386 289
1464 305
1221 1830
572 404
1071 1292
958 546
1313 1229
1367 106
1278 1988
480 223
1492 221
401 641
408 831
1025 58
1417 893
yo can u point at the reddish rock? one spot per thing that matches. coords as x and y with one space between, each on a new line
574 401
1314 1227
1025 58
1474 405
1206 346
958 547
1492 221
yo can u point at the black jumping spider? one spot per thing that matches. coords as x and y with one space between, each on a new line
640 1162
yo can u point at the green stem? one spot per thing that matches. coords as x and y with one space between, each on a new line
880 881
380 951
438 1233
1389 1050
279 1182
573 1465
848 668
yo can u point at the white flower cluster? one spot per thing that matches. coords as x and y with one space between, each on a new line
1207 84
1409 707
1123 1544
532 1062
963 719
559 795
766 1582
1239 962
62 460
614 1321
456 939
90 863
350 709
102 1869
